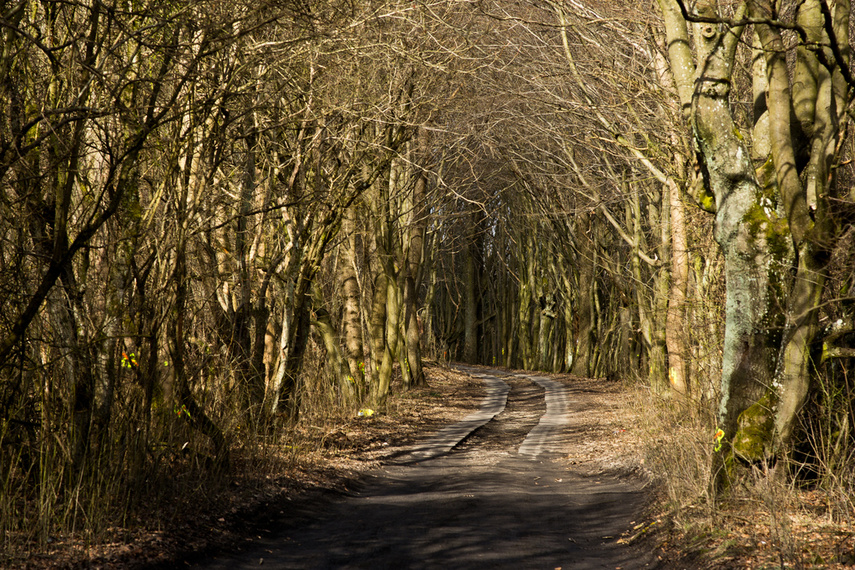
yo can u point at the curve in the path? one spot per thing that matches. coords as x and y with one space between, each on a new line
546 435
448 437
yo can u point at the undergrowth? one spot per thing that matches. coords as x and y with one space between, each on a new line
155 487
794 513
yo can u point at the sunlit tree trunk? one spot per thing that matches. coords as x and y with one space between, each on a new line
744 223
763 219
336 364
818 97
352 302
675 337
384 319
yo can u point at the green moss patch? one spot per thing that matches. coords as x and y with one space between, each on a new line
755 430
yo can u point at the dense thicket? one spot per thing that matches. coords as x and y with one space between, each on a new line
191 191
218 219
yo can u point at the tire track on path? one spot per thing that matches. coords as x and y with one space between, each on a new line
484 508
546 437
450 436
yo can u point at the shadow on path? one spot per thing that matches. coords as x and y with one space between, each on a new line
478 507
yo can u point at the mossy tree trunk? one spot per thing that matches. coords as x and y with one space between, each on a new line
817 97
746 225
336 363
771 215
384 319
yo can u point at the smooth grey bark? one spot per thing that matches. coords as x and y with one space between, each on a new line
746 225
764 223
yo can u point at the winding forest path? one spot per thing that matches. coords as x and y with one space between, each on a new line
491 491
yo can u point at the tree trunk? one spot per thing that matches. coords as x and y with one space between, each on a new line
675 338
567 311
546 336
412 270
384 375
750 233
524 309
377 322
584 304
412 333
290 391
352 299
336 364
470 304
184 396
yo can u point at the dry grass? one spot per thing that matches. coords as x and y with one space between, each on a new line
191 511
765 521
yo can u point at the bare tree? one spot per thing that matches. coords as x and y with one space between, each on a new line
774 188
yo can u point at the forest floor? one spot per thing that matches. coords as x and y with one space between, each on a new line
331 458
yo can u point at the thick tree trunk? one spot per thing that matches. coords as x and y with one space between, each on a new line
820 98
753 239
747 231
794 366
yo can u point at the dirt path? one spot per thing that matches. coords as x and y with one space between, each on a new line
496 490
